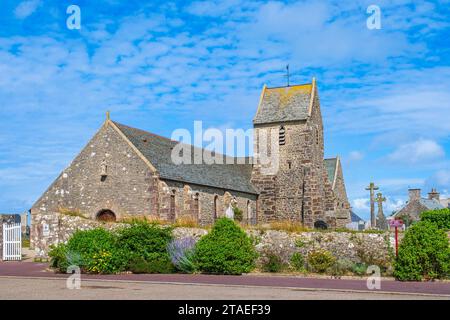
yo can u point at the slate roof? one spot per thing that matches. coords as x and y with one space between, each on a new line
330 165
158 150
355 217
432 204
283 104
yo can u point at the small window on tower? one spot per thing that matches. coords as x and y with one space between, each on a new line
289 164
282 136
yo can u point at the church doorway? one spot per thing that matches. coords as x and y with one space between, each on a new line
319 224
106 215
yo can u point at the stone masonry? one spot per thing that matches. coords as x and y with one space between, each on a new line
124 172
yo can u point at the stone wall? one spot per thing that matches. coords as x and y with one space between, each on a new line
109 175
355 247
299 190
125 189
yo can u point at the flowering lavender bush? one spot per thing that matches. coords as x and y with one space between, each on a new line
181 252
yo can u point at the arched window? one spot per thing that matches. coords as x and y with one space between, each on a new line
106 215
216 207
282 136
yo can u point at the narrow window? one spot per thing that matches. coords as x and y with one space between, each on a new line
282 136
196 206
249 212
172 206
216 208
289 164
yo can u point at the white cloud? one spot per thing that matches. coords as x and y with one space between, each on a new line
420 151
26 8
440 179
361 204
355 156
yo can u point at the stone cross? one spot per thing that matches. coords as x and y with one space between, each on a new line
372 189
380 199
381 219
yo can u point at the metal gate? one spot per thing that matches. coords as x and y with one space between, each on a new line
12 241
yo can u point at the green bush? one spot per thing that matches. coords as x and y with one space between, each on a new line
58 257
144 240
97 251
140 265
226 249
141 247
341 267
297 262
424 253
238 214
273 263
320 260
359 269
441 218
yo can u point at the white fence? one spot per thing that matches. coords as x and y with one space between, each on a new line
12 241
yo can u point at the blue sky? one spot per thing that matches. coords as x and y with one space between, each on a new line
385 94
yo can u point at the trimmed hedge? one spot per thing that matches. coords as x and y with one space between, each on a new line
424 253
225 250
441 218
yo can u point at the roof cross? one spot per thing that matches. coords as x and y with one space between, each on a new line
287 75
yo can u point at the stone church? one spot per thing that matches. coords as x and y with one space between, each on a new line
126 172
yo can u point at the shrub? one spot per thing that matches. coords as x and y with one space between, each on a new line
144 240
297 262
359 269
181 252
441 218
141 247
96 250
238 214
140 265
226 249
273 263
58 257
341 267
424 253
320 260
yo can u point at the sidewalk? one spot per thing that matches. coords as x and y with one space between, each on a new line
40 270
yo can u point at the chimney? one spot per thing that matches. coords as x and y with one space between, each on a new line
433 194
414 194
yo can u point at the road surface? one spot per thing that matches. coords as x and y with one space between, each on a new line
26 280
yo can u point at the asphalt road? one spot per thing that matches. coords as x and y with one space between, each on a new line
26 280
48 288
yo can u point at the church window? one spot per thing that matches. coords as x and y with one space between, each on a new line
282 136
172 206
289 164
196 205
216 207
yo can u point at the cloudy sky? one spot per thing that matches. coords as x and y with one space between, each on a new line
385 94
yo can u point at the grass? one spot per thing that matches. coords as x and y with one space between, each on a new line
186 222
71 212
25 243
149 219
282 225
